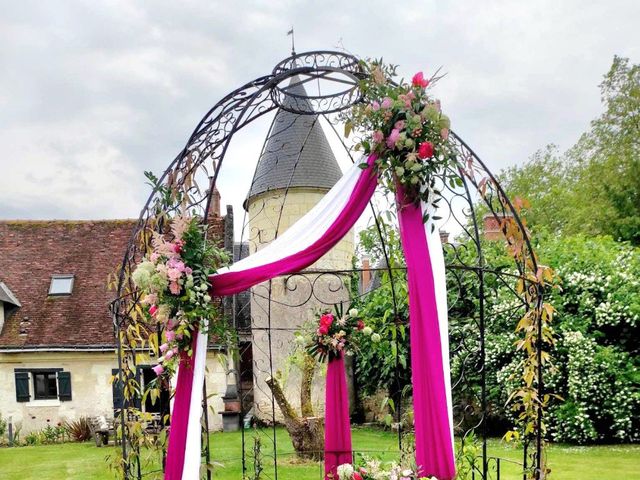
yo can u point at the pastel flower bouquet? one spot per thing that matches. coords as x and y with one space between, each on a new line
337 334
404 125
376 470
173 281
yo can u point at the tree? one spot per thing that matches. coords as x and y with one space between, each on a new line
305 430
594 187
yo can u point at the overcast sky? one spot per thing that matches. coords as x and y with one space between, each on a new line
94 92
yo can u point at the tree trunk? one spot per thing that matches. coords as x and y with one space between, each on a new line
306 433
308 369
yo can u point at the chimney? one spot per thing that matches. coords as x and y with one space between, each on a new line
493 225
365 275
444 236
214 209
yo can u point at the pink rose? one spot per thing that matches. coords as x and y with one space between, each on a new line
386 103
326 319
378 136
164 347
444 133
399 124
158 369
418 80
375 106
170 334
425 150
153 310
169 354
188 271
175 288
393 138
174 274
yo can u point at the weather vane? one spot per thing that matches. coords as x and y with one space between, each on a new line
293 44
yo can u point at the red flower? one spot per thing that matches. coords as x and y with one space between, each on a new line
177 248
152 310
326 320
323 330
418 80
357 476
360 325
425 150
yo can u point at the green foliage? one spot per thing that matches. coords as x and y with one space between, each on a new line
594 188
596 365
384 364
596 368
3 426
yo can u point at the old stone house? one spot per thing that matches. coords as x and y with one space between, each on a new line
57 349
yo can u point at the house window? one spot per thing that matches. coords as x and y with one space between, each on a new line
45 385
42 384
61 285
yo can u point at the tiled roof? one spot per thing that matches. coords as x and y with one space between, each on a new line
32 251
296 154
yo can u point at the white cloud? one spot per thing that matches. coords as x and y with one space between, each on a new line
93 93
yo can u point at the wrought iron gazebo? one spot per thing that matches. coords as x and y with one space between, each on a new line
314 88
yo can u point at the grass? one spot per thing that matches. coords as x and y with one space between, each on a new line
85 461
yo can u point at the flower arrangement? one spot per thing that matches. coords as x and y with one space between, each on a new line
336 334
376 470
404 125
174 284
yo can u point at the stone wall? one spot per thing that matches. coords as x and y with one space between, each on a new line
90 387
294 300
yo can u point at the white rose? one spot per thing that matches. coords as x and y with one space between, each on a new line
207 298
367 331
353 312
375 338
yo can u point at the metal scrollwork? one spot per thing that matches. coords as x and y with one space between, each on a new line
331 80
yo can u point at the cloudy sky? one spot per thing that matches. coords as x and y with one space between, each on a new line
92 93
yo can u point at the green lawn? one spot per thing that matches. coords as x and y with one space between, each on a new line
85 461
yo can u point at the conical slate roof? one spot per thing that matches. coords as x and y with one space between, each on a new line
296 154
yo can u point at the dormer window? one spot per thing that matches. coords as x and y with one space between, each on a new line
61 285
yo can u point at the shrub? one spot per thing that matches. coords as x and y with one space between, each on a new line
3 426
79 430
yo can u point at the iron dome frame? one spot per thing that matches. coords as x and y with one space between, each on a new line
338 75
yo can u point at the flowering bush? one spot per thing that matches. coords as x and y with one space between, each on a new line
336 334
376 470
174 284
405 127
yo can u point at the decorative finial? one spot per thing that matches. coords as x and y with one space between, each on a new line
293 44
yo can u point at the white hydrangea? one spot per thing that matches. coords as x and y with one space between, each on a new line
345 471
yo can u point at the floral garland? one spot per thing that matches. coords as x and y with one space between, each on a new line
174 284
337 334
405 127
376 470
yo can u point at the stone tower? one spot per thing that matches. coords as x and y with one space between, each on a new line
296 169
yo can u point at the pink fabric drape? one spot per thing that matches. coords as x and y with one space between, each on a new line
434 451
180 416
337 428
236 282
